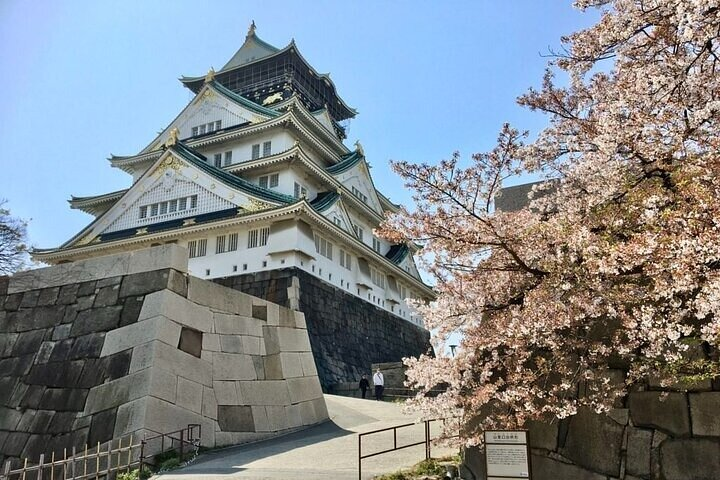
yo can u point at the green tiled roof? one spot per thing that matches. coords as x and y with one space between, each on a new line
244 101
200 161
349 161
324 200
397 253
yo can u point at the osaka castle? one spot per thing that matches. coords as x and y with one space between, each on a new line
253 177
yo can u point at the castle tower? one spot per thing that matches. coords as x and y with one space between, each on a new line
253 178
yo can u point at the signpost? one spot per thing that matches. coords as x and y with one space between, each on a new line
507 455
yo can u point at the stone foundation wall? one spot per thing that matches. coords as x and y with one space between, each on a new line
657 435
129 343
347 334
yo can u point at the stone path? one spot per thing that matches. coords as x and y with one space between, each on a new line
327 451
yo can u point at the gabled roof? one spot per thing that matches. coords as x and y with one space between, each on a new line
348 161
243 101
96 204
253 48
397 253
200 161
324 200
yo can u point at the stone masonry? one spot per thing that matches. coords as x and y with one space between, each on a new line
347 334
654 434
130 343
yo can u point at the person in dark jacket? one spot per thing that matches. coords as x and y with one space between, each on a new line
364 385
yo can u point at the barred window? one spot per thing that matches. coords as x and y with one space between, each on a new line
376 245
256 151
358 231
258 237
143 211
232 242
263 181
194 131
267 148
220 244
228 158
274 180
202 247
345 260
300 191
192 248
323 246
218 160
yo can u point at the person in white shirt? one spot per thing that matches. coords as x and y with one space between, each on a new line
379 382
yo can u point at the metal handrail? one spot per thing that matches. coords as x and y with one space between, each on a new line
425 441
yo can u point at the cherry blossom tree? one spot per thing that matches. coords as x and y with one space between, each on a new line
13 249
611 276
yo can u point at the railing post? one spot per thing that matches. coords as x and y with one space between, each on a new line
40 466
72 465
427 439
182 443
359 457
6 475
142 454
394 438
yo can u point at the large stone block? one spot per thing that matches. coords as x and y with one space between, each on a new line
156 258
209 403
665 411
96 320
543 435
705 413
293 415
594 442
118 392
303 389
178 309
219 298
157 328
232 344
236 418
260 418
189 395
64 399
233 366
87 346
163 356
293 340
696 458
228 324
130 417
7 341
277 418
307 360
547 468
264 392
226 393
162 416
639 443
291 364
102 426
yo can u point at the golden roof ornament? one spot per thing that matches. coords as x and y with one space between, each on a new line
359 148
210 75
172 138
251 30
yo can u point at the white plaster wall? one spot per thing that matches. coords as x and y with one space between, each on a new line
244 261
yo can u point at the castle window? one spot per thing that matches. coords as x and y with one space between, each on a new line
255 151
163 208
194 131
218 160
202 129
377 277
323 246
192 248
218 124
193 201
202 247
182 203
220 244
154 210
258 237
274 180
173 206
358 231
228 158
376 245
359 195
270 181
263 181
143 211
300 191
267 148
232 242
345 260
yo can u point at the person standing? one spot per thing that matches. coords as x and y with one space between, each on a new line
379 382
364 385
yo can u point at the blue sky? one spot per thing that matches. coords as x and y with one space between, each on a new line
84 79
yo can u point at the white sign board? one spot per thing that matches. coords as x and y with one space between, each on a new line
507 456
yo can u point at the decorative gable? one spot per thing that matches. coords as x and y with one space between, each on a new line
357 179
325 120
208 112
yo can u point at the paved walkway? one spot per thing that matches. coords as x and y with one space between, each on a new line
324 452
